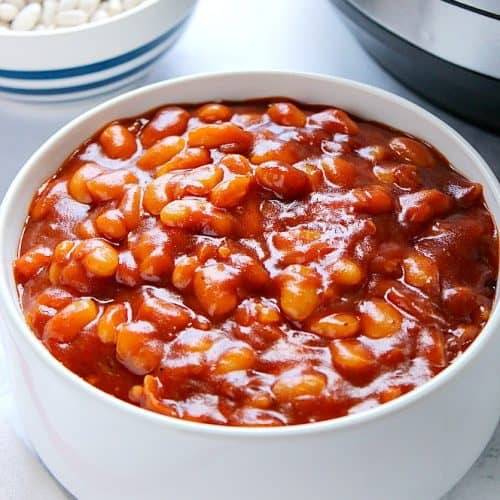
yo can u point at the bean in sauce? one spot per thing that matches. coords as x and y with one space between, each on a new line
256 264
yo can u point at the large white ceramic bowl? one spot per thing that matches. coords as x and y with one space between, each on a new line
414 448
72 63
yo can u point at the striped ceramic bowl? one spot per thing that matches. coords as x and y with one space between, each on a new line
91 59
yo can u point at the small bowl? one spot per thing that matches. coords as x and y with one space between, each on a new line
415 447
74 63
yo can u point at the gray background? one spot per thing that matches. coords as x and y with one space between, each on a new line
304 35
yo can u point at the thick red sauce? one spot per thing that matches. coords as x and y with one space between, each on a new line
256 264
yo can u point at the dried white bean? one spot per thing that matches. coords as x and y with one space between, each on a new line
114 7
67 5
130 4
89 6
100 15
8 12
17 3
72 17
28 18
49 12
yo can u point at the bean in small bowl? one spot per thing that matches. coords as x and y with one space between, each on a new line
72 49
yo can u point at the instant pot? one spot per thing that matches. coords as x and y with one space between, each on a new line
448 51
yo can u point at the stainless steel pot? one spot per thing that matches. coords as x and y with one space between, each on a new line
449 51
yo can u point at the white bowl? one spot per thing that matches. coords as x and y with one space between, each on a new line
413 448
72 63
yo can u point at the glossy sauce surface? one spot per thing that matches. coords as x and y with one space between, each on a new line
258 264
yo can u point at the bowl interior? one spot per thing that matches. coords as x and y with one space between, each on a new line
361 100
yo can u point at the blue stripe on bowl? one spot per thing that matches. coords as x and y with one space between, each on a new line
80 88
95 67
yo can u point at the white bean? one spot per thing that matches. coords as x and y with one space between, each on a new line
49 12
114 7
72 17
28 18
100 15
17 3
67 5
8 12
89 6
130 4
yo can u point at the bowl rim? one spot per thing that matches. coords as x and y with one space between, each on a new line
145 5
10 303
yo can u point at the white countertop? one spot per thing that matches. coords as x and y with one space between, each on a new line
304 35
